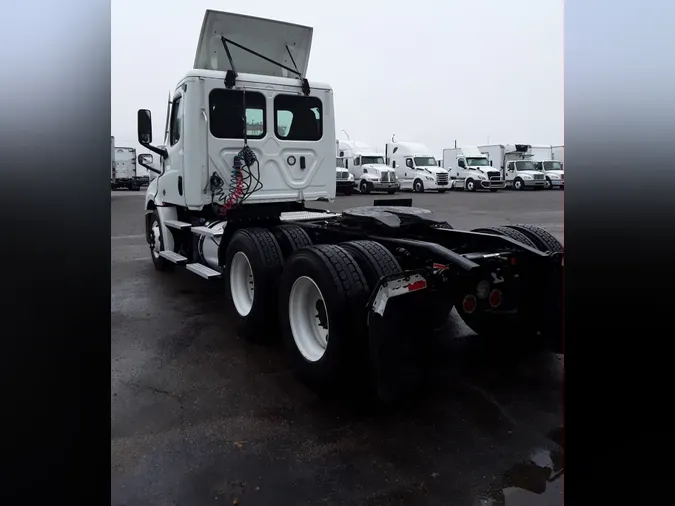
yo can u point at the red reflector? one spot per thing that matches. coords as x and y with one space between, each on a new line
469 304
495 298
440 266
417 285
513 261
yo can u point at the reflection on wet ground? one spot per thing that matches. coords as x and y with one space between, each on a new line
538 481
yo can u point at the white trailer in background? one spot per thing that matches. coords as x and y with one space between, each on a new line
124 174
112 159
368 167
470 170
559 153
416 168
515 161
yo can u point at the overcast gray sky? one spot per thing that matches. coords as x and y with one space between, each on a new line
430 71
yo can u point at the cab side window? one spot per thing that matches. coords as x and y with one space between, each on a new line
176 120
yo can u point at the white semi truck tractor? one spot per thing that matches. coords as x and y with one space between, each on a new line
354 294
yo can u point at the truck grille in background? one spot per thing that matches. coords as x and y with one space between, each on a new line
385 177
442 178
494 174
343 175
538 176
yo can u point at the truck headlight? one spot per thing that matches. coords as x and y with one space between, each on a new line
350 177
526 176
429 178
554 176
481 176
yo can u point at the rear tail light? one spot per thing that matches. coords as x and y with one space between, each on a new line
469 304
495 299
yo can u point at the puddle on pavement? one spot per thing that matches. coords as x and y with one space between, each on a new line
537 482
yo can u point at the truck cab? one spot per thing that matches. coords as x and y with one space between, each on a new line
471 170
554 172
368 168
416 168
521 174
344 180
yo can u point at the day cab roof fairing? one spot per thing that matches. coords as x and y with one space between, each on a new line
256 46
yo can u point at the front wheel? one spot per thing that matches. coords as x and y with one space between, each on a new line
470 185
441 190
391 192
418 186
364 187
548 185
518 184
157 244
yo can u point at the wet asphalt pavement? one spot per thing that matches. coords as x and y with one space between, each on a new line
199 417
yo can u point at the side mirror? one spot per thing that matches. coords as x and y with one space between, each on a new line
490 163
144 127
146 160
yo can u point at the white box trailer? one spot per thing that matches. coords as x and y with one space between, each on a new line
559 153
125 169
353 293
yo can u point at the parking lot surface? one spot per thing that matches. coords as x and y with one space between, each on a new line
199 417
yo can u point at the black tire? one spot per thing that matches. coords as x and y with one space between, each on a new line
518 184
291 238
348 191
470 185
442 190
548 185
365 187
508 232
161 264
493 190
374 260
542 239
391 192
418 186
344 289
265 257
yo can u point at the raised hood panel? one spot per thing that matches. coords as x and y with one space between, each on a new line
266 37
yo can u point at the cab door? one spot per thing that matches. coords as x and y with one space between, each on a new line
171 184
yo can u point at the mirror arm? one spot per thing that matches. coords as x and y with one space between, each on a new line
149 168
161 152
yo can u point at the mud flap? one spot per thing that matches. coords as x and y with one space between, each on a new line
398 332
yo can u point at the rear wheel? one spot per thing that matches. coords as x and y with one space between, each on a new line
507 232
291 238
253 263
322 298
542 239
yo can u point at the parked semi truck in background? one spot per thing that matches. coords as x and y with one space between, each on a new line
515 162
544 160
344 180
354 293
368 168
416 168
470 170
